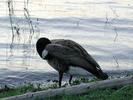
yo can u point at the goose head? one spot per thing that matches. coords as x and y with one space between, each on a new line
41 44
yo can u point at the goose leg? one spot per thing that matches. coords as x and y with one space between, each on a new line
60 78
70 79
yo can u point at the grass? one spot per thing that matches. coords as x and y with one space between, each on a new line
123 93
7 92
117 93
20 90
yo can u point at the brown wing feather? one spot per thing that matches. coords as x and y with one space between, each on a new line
67 55
79 49
72 53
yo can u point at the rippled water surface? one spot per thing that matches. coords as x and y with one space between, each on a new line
104 28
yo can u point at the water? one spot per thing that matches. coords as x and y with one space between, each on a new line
104 28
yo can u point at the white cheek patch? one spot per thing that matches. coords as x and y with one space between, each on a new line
44 53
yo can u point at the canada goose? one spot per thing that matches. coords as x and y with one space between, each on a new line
67 56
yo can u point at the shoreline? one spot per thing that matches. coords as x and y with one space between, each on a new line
46 79
119 86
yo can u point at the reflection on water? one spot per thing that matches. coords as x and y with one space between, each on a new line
103 28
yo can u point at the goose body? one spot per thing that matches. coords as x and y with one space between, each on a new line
67 56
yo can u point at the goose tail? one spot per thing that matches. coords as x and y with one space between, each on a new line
99 73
